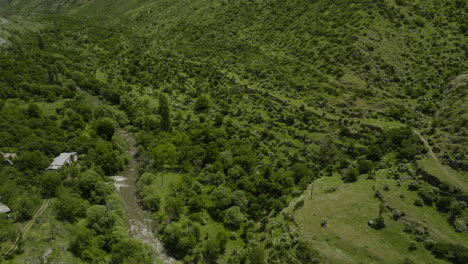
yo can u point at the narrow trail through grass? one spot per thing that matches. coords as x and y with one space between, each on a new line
448 176
27 227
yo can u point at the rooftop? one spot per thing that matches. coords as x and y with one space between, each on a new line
4 209
9 155
61 160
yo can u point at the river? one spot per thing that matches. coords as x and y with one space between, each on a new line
138 220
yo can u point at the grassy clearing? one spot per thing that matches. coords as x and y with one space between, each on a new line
348 238
101 76
382 123
49 109
164 182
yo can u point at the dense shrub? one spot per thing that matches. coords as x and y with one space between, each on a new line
233 217
454 253
351 175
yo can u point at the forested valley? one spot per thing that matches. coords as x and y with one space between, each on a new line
266 131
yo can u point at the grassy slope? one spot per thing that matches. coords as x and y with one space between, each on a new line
348 238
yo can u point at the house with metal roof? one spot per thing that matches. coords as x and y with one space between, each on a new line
9 157
4 209
64 159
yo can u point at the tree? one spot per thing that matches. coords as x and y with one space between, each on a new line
93 188
364 166
94 255
328 152
409 149
84 240
281 182
444 204
351 175
151 198
40 42
305 253
101 192
374 153
165 154
202 104
379 222
233 217
454 253
50 181
164 112
174 207
180 237
33 111
146 179
429 194
257 255
215 247
25 207
34 160
70 206
236 172
87 182
151 202
221 197
105 128
300 170
240 199
130 251
73 120
106 157
199 202
100 219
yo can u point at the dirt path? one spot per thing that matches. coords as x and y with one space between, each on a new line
306 194
428 147
138 221
450 176
27 227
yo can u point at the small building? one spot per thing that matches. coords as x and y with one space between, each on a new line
9 157
4 209
64 159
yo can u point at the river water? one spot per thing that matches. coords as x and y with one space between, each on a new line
138 220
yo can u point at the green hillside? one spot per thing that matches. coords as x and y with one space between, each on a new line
325 131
